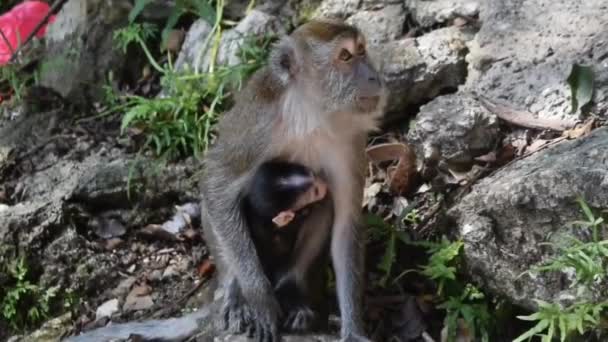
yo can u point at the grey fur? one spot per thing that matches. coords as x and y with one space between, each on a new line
312 120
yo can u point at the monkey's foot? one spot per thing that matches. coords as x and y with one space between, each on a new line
300 319
263 328
235 317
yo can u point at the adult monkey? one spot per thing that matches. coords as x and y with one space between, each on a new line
313 104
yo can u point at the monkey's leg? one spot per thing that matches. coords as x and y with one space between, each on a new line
233 315
301 291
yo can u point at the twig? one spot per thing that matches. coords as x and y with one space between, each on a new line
54 7
522 118
171 309
10 47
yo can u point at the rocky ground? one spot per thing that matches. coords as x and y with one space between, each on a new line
480 140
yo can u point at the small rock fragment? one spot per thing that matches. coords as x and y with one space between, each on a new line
107 309
138 303
123 288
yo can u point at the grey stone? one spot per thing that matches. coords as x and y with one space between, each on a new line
80 50
135 303
124 287
107 309
458 125
382 25
196 50
428 13
418 69
524 52
505 218
337 8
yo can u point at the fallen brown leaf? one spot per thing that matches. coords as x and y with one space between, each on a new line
523 118
206 268
580 130
402 177
537 144
175 40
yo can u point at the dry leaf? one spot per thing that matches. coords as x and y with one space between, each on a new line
175 40
205 269
536 145
370 193
402 177
580 130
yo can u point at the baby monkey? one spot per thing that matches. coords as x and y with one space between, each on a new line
279 190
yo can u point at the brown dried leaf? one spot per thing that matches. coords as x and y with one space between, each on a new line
205 269
175 38
580 130
402 177
536 145
156 232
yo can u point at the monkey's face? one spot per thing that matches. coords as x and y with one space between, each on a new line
355 83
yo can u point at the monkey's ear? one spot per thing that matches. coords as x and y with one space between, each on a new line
284 59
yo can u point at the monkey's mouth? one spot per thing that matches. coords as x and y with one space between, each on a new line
368 103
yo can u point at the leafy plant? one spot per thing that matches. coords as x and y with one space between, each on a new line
24 294
381 231
200 8
14 83
556 321
589 261
441 265
471 307
581 86
181 121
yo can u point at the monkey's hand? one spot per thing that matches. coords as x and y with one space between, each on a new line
264 312
283 218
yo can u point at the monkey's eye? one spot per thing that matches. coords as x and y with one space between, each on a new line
345 55
360 49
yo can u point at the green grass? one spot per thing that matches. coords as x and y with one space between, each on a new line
181 122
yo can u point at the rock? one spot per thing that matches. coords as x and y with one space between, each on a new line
136 303
380 26
124 287
429 13
418 69
525 51
170 272
52 330
337 9
107 309
107 227
196 55
458 125
506 217
80 49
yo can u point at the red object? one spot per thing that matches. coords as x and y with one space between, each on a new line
18 23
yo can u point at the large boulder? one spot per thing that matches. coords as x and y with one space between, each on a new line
81 51
524 52
506 217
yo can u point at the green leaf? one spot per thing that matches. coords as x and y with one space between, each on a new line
205 11
542 325
138 8
171 22
581 85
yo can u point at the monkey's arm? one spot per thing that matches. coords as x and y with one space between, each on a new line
221 199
